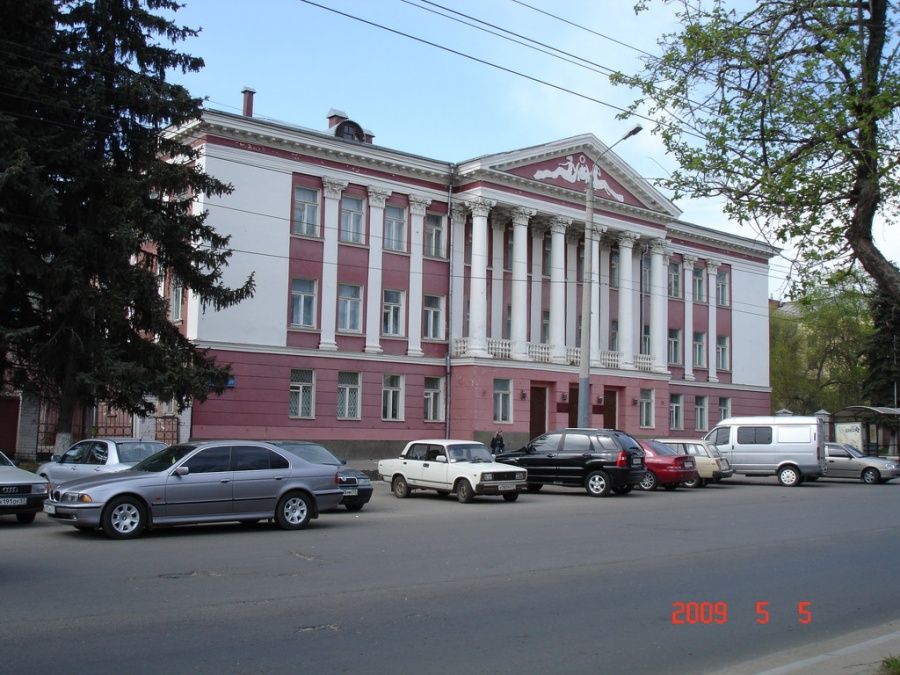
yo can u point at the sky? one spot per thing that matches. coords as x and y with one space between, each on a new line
434 86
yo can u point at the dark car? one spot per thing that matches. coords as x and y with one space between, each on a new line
22 493
666 467
599 460
357 486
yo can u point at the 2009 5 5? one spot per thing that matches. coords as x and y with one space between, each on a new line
717 612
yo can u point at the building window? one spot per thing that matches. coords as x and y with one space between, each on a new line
306 212
722 360
722 289
176 299
676 414
724 408
646 409
502 401
395 228
579 263
614 335
645 339
675 345
392 398
434 399
674 280
349 307
348 391
699 283
508 250
302 393
701 413
392 313
434 235
352 220
645 274
545 327
700 350
433 320
303 303
614 269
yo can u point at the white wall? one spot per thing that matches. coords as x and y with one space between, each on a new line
750 323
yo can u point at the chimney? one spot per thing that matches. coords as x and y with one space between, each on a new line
248 101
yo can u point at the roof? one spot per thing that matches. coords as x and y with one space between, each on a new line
865 412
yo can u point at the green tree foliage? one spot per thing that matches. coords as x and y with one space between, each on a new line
815 348
788 109
882 354
97 207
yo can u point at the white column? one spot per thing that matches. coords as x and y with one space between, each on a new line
659 325
519 292
478 279
573 239
458 272
603 294
330 228
537 282
377 199
498 313
688 262
558 227
712 267
627 289
417 207
595 293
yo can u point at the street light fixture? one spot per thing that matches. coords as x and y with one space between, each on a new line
584 372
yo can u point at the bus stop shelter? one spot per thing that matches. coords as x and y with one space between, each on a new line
877 425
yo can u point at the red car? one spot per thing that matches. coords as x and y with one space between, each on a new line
665 466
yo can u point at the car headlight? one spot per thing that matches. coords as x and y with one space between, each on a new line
890 466
75 498
40 489
487 476
521 475
363 481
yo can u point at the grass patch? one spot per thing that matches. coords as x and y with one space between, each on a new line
890 666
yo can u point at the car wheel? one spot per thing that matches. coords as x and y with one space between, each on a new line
692 484
354 507
511 496
789 476
400 487
597 484
871 476
464 492
293 511
124 518
649 481
623 489
25 518
534 487
670 486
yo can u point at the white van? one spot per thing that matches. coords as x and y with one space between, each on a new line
792 448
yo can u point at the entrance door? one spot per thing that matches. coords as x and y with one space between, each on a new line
538 412
610 409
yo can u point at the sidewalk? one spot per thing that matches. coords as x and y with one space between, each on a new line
859 653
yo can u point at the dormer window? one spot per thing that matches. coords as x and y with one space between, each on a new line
350 131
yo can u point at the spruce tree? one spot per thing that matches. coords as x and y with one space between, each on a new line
98 208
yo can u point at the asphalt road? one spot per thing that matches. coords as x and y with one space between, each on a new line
555 582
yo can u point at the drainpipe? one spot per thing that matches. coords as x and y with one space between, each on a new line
450 185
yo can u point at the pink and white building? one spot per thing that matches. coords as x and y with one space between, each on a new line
399 296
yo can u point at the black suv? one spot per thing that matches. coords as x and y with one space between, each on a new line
600 460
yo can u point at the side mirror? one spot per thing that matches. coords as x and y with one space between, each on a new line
55 458
441 458
182 471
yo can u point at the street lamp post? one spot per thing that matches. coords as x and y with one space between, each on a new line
584 372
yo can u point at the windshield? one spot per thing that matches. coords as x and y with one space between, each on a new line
311 452
135 451
164 459
660 448
853 451
470 452
4 460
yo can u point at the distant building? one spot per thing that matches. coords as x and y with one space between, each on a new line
399 296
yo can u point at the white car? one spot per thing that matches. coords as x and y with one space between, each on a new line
464 467
97 455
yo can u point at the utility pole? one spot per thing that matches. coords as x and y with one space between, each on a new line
584 371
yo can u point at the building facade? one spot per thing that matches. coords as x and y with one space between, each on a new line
400 297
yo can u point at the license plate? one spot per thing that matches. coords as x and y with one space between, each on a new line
635 461
689 465
13 501
350 492
49 508
506 487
